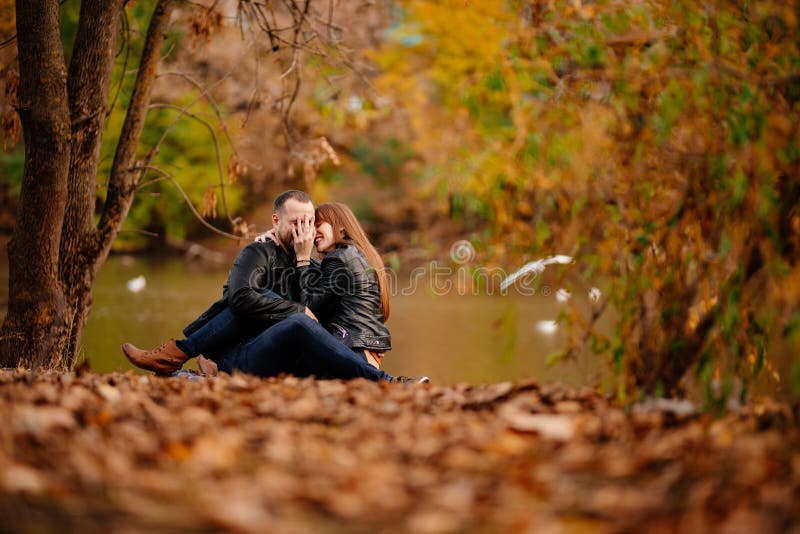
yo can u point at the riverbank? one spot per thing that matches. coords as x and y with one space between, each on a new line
125 451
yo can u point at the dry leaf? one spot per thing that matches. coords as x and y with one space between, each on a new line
236 169
203 24
549 426
209 207
21 478
10 128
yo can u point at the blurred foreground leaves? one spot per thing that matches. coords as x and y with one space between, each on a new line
242 454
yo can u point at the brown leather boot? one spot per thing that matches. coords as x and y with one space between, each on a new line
163 360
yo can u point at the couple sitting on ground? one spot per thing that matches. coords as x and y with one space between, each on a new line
282 312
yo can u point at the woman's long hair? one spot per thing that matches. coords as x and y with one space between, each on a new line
339 216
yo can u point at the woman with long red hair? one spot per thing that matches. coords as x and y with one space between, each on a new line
349 293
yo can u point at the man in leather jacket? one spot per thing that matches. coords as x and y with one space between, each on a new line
262 286
266 266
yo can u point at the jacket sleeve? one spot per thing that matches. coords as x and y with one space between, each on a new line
249 271
322 287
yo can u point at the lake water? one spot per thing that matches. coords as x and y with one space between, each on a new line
449 337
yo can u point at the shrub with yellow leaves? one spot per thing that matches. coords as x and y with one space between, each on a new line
655 141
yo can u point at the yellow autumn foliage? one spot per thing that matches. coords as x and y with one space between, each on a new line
656 141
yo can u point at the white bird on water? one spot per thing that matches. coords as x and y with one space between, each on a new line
562 295
135 285
547 327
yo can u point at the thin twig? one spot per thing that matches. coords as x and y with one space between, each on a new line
252 101
291 67
297 74
138 231
197 214
211 100
150 182
216 147
330 24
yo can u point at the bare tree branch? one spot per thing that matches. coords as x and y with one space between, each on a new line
209 98
218 152
139 231
199 217
124 176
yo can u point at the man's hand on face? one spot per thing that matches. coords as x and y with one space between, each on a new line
303 238
289 217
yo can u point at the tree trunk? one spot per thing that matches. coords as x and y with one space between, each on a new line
56 251
86 247
36 301
88 82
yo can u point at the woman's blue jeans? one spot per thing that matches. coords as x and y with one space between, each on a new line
299 346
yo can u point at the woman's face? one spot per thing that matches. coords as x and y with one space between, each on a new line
324 240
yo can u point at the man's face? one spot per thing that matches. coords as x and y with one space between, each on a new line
288 217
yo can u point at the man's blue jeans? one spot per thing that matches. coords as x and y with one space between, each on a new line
221 334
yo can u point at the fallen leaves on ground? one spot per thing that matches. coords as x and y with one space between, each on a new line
124 451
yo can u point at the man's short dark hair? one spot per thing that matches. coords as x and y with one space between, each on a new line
281 199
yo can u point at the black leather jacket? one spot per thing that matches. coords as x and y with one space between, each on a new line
344 294
258 266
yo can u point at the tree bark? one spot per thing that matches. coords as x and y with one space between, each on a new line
57 251
36 300
125 176
85 246
88 82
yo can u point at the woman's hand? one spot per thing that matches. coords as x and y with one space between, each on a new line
303 236
269 234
